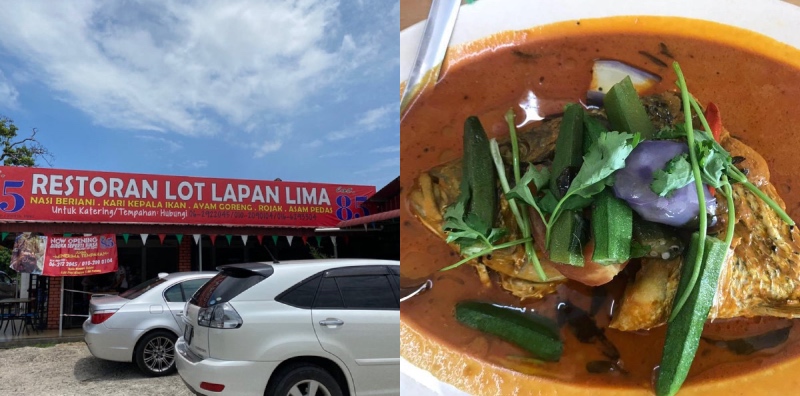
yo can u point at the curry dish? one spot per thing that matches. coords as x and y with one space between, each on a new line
612 311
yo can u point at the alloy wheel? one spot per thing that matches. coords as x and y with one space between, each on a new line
159 354
309 388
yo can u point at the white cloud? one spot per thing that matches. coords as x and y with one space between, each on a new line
162 143
386 149
8 94
335 154
197 164
266 148
189 67
368 121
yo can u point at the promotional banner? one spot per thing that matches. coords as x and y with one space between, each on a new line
64 256
57 195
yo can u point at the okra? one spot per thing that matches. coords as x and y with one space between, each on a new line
612 226
683 333
625 110
568 238
568 156
532 332
479 180
593 128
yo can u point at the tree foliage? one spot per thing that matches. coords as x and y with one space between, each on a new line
5 260
18 151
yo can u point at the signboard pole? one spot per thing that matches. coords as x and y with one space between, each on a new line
61 309
200 247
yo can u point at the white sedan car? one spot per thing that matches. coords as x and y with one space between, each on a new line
141 324
311 328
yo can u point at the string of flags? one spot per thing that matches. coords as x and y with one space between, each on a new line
228 237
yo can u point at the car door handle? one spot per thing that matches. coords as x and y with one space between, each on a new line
331 322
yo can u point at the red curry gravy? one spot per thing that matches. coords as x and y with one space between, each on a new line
758 99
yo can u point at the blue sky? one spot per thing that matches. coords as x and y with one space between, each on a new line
303 90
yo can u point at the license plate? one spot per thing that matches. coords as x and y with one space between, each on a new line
188 332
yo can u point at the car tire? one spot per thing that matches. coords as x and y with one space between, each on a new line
155 353
303 378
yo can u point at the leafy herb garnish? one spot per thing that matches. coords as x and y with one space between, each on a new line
677 173
605 156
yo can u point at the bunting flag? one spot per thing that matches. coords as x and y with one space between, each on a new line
87 234
179 237
275 240
289 237
319 240
67 235
305 239
213 238
260 239
144 238
161 237
244 239
196 238
4 235
125 237
333 240
229 237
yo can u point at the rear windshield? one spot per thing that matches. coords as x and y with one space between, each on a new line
141 288
225 286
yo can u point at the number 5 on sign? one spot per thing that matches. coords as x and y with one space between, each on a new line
19 201
360 200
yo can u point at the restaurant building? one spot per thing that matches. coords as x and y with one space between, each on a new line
174 223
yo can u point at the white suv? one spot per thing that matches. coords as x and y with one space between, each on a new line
307 327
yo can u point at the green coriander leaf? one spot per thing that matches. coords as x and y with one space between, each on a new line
677 173
576 202
539 177
548 202
606 156
496 234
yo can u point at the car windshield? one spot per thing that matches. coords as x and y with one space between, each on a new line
141 288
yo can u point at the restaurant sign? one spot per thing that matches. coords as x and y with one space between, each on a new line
64 256
57 195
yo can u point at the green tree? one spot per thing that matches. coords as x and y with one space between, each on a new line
19 151
5 260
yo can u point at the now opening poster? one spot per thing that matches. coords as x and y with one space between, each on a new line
64 256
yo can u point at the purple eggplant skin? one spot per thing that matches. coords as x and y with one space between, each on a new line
632 184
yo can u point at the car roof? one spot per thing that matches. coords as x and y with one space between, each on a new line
306 266
189 274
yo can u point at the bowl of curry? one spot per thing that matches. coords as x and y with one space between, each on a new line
517 76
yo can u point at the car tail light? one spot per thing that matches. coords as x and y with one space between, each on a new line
221 316
212 387
101 316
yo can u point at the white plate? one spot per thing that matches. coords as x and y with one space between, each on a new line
772 18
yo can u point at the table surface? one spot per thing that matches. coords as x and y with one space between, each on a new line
413 11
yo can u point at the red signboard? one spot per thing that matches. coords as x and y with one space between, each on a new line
63 256
57 195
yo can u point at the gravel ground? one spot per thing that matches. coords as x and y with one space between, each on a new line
69 369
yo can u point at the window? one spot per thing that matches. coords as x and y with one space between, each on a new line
174 294
301 295
141 288
224 286
184 290
190 287
367 292
328 295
